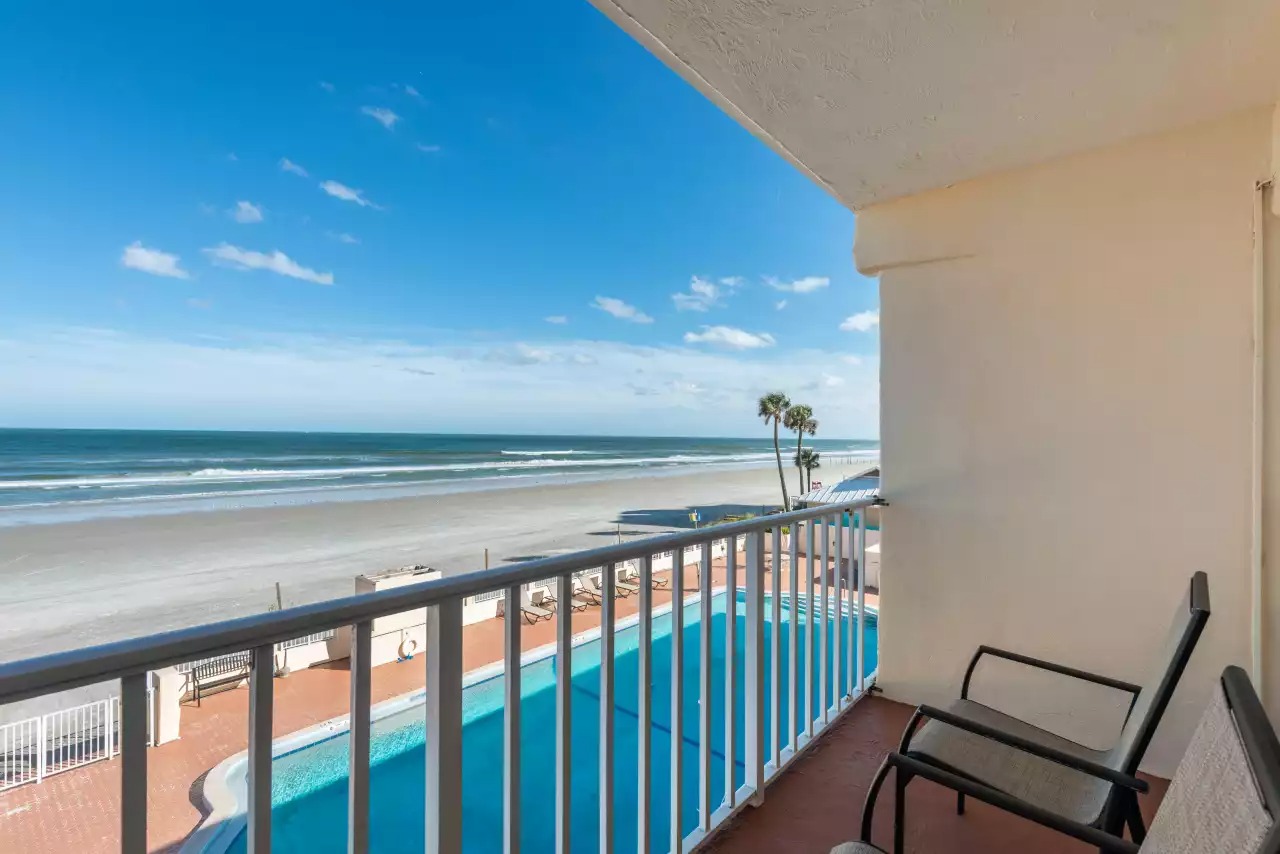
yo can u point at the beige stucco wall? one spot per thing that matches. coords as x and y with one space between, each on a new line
1066 410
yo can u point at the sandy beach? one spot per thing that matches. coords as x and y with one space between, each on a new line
80 583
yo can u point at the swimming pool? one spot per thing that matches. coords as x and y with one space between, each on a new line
309 785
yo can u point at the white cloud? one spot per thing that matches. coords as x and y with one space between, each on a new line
527 355
863 321
246 212
226 255
348 194
249 379
153 261
805 285
381 115
289 166
202 304
409 90
621 310
728 336
704 294
231 156
832 381
327 86
429 149
343 237
780 304
558 319
851 360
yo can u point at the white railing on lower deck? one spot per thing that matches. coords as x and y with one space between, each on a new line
765 754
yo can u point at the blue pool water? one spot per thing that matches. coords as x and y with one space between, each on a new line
310 785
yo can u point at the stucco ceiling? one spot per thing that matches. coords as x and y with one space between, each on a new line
877 99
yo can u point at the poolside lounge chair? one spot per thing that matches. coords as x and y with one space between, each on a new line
535 613
659 583
1037 769
596 587
1224 797
625 586
576 603
584 593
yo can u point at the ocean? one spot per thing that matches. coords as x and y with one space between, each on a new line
61 475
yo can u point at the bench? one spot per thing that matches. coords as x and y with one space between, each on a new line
217 672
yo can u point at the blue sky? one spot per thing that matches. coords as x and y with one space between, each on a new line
287 216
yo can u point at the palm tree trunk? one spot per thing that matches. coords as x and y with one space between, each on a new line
777 452
799 464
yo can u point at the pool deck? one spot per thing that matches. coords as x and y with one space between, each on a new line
79 810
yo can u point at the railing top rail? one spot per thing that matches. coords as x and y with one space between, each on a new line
33 677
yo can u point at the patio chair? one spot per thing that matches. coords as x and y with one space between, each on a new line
595 587
535 613
590 592
626 586
659 583
1224 797
1039 769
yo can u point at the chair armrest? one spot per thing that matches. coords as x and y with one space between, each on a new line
1091 835
1092 768
1040 664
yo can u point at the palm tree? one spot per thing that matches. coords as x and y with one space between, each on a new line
773 407
808 459
800 419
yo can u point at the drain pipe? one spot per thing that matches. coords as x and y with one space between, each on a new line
1256 589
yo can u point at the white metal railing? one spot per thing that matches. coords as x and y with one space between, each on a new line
764 756
48 744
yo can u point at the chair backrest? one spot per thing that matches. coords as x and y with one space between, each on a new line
1166 670
1226 792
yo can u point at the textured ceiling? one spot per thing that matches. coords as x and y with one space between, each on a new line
877 99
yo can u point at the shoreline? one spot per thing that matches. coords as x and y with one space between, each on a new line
79 583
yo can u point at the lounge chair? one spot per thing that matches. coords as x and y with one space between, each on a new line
659 583
1037 768
626 586
535 613
584 593
1224 797
596 588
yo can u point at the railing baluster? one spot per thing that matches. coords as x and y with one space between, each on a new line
775 646
511 722
811 639
730 673
564 698
793 647
133 763
644 710
607 613
704 692
862 598
753 683
824 653
261 672
677 700
444 728
850 587
358 763
837 647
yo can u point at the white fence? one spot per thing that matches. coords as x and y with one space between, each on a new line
188 666
49 744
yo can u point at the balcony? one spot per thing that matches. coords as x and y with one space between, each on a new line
584 749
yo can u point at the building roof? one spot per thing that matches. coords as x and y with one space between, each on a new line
865 484
885 98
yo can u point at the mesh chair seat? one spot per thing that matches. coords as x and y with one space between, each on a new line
1066 791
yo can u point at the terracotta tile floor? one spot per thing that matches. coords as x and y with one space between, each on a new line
817 803
79 810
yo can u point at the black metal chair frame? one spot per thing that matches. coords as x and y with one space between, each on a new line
1262 749
1121 809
